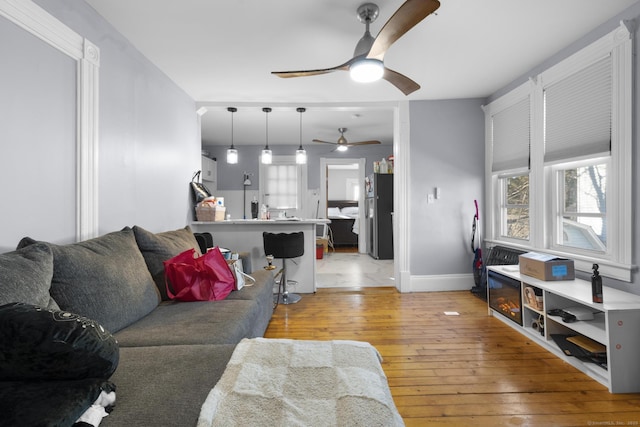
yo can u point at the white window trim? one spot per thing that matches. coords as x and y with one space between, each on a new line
618 44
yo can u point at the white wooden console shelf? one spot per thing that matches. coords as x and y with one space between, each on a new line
616 325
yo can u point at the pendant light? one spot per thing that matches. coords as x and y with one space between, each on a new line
232 153
267 154
301 154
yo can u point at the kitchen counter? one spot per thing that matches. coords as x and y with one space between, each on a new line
245 235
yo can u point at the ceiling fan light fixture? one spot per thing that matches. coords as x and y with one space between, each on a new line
366 70
342 148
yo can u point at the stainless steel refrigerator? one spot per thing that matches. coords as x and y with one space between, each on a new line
379 215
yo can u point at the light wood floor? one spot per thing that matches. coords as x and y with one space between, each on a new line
466 370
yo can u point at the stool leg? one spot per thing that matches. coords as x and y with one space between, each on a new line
286 297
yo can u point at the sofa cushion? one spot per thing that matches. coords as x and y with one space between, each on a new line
159 247
25 276
45 344
104 279
165 385
198 322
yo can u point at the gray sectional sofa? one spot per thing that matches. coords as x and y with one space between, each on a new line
168 355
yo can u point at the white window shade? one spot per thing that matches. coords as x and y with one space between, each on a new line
578 113
511 137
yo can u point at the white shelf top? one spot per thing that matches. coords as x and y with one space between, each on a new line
577 290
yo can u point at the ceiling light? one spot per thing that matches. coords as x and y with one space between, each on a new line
267 154
366 70
342 148
301 154
232 153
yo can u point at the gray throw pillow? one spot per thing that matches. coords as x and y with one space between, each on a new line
104 279
159 247
25 276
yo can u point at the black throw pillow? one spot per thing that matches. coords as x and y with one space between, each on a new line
46 344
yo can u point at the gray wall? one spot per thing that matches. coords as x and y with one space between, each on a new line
446 151
148 137
632 13
37 139
230 176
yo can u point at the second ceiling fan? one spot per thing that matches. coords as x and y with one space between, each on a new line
342 143
367 62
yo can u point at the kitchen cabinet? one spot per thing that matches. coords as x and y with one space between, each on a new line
210 172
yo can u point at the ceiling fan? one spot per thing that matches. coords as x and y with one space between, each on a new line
343 144
367 62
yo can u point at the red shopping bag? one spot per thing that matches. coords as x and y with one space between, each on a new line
204 278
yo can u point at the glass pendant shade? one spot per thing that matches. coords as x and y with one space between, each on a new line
232 156
301 156
267 156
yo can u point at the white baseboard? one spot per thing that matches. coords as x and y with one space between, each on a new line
445 282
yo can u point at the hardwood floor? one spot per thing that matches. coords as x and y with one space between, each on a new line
470 369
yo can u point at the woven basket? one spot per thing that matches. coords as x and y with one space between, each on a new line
210 213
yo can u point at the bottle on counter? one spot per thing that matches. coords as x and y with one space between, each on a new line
254 208
383 166
596 284
263 212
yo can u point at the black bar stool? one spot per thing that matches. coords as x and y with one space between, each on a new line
283 246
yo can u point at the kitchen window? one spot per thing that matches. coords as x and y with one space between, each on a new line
282 185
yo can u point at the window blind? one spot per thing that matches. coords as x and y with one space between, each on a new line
511 137
281 186
578 113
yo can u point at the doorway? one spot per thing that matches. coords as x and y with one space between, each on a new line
342 199
344 268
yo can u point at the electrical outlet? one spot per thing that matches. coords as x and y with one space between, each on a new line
438 193
430 198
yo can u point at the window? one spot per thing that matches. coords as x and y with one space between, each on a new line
582 207
282 184
559 159
515 211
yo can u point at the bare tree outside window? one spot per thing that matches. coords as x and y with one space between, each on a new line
584 211
516 221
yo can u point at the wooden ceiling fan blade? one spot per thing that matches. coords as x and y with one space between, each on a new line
305 73
364 143
405 18
402 82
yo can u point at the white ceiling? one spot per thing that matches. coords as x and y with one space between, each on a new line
222 54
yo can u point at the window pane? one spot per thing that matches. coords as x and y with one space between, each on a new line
518 190
584 222
518 223
585 189
281 187
516 207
